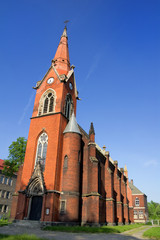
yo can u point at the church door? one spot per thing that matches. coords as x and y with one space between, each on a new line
36 208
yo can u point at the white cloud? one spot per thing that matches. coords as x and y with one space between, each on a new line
26 108
151 163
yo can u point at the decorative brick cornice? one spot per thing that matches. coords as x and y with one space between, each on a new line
93 159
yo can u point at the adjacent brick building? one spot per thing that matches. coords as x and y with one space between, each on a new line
7 188
139 203
66 176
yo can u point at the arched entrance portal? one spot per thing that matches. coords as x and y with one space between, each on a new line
35 190
36 208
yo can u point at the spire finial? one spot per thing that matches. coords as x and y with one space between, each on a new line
65 29
66 23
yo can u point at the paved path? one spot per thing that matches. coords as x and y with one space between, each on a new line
137 232
12 230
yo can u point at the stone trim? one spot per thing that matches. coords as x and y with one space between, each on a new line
15 194
93 159
41 81
49 114
119 202
82 130
125 204
110 199
53 191
92 143
91 194
70 193
138 194
139 207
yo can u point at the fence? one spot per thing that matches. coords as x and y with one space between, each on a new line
155 222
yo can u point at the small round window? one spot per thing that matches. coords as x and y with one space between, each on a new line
70 86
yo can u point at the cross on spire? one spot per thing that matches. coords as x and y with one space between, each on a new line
66 22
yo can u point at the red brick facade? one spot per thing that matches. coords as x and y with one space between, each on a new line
66 176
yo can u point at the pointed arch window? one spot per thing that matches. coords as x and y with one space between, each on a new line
42 149
65 165
47 102
68 106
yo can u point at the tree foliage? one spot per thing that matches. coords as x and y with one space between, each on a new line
16 156
154 210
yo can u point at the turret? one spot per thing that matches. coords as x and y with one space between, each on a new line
71 158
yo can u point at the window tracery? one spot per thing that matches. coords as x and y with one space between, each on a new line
47 102
68 106
42 149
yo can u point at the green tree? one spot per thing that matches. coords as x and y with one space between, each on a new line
16 156
154 210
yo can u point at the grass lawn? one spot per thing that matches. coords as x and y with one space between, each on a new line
153 232
19 237
103 229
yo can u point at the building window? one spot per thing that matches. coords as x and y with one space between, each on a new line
1 207
3 194
65 165
10 182
47 102
141 214
6 180
2 179
68 106
63 206
137 202
8 195
5 210
42 149
135 215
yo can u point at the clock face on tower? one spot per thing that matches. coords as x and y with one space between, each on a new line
50 80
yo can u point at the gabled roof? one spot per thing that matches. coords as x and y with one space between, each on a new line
134 189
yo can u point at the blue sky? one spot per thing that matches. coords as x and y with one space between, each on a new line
115 46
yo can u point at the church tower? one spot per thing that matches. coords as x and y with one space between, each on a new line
53 127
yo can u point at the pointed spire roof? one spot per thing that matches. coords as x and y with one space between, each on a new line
125 168
91 130
61 59
72 125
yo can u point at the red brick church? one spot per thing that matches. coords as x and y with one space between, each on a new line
66 176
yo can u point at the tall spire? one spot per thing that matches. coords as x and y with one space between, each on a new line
61 59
